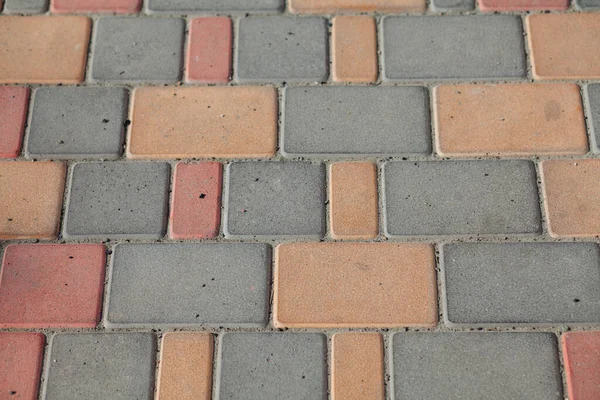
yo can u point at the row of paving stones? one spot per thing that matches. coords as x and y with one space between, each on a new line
276 49
294 365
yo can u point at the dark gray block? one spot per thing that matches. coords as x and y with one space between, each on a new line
282 49
25 6
216 5
453 5
461 198
77 122
521 283
275 199
118 200
336 121
454 47
272 366
588 4
100 366
187 284
592 93
127 49
473 366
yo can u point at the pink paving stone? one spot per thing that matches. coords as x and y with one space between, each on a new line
209 50
20 365
581 352
51 285
13 114
522 5
196 206
99 6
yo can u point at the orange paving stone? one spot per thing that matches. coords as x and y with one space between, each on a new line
572 197
43 49
332 6
357 366
13 114
522 5
21 355
185 366
354 201
564 46
52 285
95 6
509 120
319 285
203 122
32 194
581 354
209 50
354 53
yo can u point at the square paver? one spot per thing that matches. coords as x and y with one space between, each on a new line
272 366
275 199
282 49
592 98
138 49
118 199
216 5
77 122
100 366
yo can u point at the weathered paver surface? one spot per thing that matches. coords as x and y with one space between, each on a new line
299 199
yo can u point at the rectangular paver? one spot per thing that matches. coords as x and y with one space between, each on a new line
453 47
354 49
25 6
592 99
334 6
190 284
14 101
249 6
20 364
209 48
341 121
452 5
461 198
321 285
581 354
491 284
95 6
237 122
522 5
588 5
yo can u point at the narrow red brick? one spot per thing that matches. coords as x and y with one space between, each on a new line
335 6
522 5
196 205
21 357
581 353
95 6
354 49
209 50
51 285
13 114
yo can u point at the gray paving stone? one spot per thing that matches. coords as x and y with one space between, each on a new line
521 283
25 6
475 365
275 199
216 5
77 122
272 366
454 47
282 49
593 105
337 121
453 5
118 200
100 366
190 284
138 49
587 4
461 198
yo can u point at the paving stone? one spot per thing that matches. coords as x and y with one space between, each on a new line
323 285
282 49
98 366
21 355
77 122
521 283
454 47
275 199
249 6
340 121
52 286
96 6
209 48
461 198
357 366
119 199
25 6
272 366
336 6
453 5
32 195
592 99
463 365
203 122
587 4
13 114
138 49
581 353
186 364
523 5
560 45
354 49
44 49
509 120
191 284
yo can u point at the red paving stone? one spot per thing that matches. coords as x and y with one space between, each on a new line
522 5
95 6
13 114
581 354
209 50
21 355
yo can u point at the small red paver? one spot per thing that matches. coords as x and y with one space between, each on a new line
21 357
209 50
95 6
581 352
196 206
52 285
13 114
522 5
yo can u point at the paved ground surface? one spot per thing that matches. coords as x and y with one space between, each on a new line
343 199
